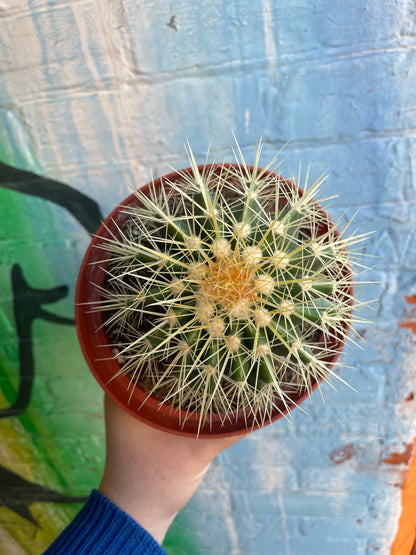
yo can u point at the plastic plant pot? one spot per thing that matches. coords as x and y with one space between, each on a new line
98 346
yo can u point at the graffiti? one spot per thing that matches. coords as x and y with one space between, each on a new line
16 493
82 207
28 305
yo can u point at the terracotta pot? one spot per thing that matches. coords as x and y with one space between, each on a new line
136 400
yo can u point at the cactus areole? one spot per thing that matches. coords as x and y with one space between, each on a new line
215 299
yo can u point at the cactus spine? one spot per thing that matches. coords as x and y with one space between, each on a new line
227 289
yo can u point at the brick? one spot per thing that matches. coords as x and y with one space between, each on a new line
351 476
325 504
67 423
357 420
61 30
266 534
333 527
245 451
110 182
214 521
367 385
49 356
384 509
356 180
66 392
351 80
213 21
265 470
327 546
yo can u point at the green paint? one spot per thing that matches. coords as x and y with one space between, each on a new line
179 539
58 442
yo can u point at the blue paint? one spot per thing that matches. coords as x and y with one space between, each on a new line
336 80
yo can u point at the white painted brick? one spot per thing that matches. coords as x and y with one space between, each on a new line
99 95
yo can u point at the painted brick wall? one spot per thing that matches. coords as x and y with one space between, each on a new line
97 95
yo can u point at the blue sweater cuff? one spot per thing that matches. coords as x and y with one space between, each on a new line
102 528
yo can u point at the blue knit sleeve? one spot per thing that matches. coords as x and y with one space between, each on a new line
102 528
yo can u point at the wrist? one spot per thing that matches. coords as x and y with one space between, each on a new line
150 513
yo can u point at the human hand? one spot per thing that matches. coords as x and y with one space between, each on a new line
151 474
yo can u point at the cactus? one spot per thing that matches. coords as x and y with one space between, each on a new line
228 288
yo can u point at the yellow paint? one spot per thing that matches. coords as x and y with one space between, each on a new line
18 454
405 540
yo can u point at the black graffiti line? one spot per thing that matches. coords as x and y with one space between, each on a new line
87 212
17 494
82 207
28 305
